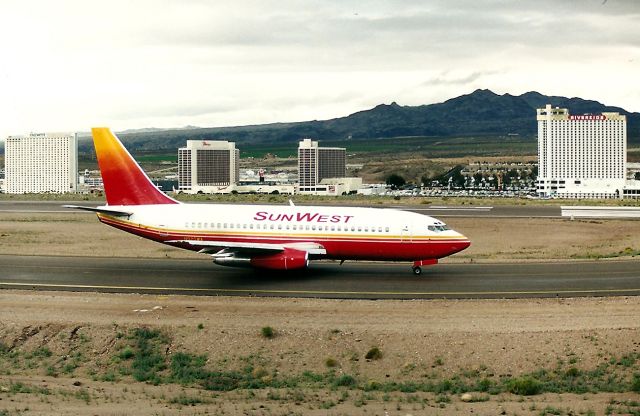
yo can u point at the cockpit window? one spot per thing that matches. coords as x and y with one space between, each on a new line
438 228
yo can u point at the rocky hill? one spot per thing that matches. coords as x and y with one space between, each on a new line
481 113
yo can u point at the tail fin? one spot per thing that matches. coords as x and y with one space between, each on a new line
125 183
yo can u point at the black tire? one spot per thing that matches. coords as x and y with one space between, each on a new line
417 271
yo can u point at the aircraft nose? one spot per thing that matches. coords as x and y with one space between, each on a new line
461 244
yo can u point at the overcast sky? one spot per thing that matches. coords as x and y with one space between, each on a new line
70 65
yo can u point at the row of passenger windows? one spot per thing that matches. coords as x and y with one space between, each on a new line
294 227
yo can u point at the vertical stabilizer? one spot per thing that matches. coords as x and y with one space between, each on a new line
125 183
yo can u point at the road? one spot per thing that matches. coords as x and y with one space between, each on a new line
361 280
499 211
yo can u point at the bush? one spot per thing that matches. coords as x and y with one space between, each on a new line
186 368
331 362
126 353
345 380
373 354
524 386
635 383
268 332
222 381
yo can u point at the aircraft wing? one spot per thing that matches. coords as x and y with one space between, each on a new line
226 247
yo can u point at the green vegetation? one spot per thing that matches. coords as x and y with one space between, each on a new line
373 354
331 362
524 386
143 355
268 332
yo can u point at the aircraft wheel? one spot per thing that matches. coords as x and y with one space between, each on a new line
417 270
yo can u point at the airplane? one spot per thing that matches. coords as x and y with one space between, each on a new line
284 237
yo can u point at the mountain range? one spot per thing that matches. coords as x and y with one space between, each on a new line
480 113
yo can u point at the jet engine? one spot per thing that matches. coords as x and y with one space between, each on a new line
289 259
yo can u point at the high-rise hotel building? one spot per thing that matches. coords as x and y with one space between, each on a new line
317 163
41 162
208 166
581 156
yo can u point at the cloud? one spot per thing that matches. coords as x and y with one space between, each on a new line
72 62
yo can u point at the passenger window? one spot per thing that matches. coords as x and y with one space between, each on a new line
225 225
359 229
379 229
271 226
230 225
307 227
333 228
366 229
313 227
386 229
279 226
186 225
287 226
353 228
219 225
295 227
193 225
244 226
251 226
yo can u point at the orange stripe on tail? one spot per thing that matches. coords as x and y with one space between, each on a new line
125 183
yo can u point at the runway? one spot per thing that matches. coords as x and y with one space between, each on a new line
499 211
361 280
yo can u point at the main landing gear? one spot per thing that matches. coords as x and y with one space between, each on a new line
417 269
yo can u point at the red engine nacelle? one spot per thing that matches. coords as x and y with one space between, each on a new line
289 259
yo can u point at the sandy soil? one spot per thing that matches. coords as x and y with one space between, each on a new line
418 339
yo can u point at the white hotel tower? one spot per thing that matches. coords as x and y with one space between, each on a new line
581 156
41 162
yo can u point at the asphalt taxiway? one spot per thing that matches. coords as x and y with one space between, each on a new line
362 280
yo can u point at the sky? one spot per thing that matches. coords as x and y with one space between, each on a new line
69 65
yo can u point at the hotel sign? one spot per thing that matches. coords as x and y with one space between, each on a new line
588 117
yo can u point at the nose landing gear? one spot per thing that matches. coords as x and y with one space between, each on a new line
417 269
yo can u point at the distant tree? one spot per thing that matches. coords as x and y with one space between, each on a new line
395 181
458 177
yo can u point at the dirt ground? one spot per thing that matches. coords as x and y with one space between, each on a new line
62 352
417 340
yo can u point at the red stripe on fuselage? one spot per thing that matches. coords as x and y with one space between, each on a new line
346 248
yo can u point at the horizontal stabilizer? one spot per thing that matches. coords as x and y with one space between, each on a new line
101 210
